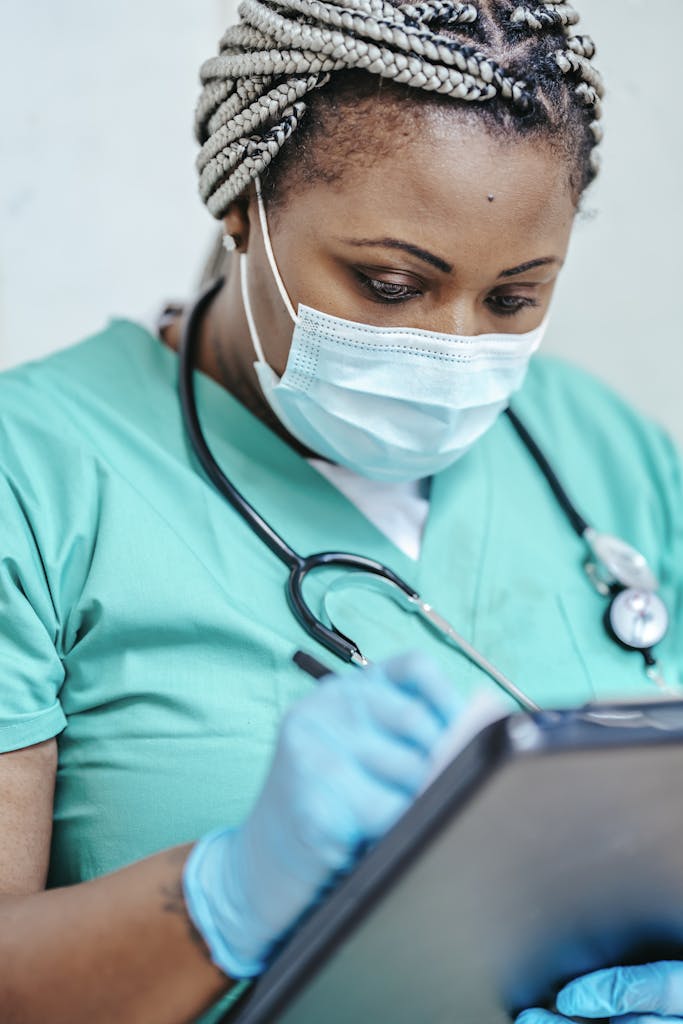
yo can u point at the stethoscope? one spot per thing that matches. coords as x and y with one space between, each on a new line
636 617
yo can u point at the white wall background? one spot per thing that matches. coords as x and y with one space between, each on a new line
99 213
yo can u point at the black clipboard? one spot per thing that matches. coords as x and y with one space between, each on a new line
550 846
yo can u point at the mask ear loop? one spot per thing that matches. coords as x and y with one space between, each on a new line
246 302
244 283
269 251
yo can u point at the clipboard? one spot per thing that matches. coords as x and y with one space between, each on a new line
550 846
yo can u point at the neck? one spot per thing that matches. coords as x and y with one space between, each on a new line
226 354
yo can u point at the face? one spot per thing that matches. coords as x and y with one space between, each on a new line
460 232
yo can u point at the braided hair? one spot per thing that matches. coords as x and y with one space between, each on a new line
521 66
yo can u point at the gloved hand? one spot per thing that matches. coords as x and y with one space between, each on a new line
649 994
349 760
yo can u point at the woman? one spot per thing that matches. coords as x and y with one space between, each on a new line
399 184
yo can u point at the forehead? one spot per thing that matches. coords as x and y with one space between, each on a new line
448 183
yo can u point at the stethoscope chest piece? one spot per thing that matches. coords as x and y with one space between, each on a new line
638 619
636 616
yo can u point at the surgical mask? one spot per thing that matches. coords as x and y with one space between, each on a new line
390 403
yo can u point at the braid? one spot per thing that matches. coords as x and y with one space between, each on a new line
257 91
547 15
574 62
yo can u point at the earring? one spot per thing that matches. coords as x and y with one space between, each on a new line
229 243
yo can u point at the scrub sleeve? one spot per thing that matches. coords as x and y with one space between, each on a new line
31 671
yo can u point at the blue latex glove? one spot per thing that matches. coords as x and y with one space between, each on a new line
350 759
649 994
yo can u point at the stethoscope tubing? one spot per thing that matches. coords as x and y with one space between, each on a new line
578 523
333 638
258 524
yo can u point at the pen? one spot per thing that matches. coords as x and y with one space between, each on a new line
311 666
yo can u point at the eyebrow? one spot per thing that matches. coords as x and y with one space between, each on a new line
531 265
438 261
414 250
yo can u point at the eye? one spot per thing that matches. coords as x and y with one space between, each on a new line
386 291
508 305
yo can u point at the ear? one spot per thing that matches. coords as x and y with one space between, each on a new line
236 222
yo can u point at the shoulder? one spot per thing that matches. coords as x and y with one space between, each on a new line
64 417
61 401
621 468
71 427
582 418
120 354
562 391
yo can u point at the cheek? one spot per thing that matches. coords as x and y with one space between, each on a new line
315 279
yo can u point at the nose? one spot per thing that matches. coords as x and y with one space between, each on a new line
462 318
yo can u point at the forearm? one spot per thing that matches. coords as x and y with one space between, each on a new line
118 948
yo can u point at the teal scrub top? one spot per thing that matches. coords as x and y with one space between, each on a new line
143 623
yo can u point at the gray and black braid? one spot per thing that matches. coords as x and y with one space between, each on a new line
255 91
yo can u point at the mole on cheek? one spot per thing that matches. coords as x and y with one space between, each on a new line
491 197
